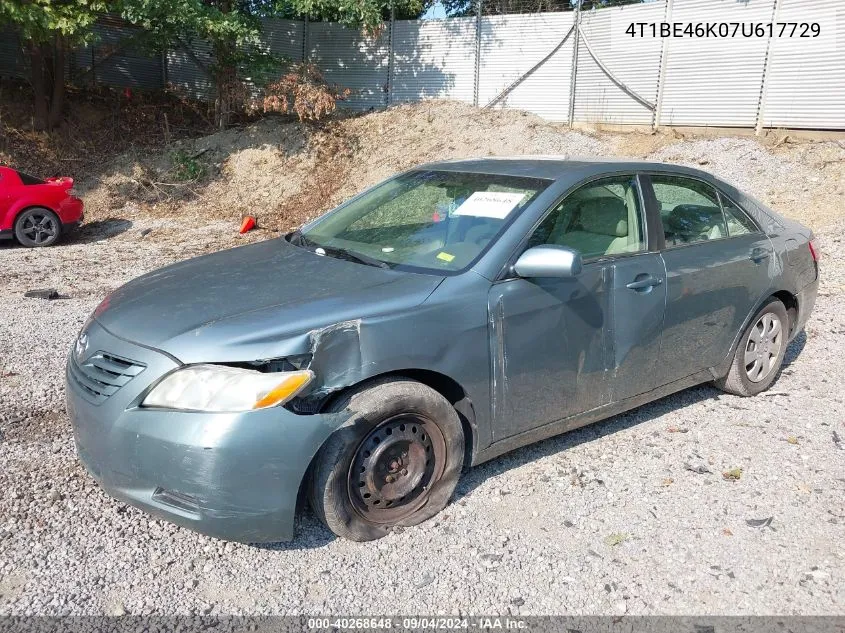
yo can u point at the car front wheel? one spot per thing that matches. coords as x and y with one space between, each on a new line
394 462
37 227
760 352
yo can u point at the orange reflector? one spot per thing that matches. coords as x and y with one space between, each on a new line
286 389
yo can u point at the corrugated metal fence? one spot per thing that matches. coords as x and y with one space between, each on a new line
578 67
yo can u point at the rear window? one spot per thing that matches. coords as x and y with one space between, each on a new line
29 180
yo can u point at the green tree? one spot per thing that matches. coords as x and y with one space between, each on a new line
231 27
48 29
459 8
366 14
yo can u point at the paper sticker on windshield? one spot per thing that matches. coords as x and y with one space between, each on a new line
490 204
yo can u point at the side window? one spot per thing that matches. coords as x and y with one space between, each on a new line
599 219
690 210
738 222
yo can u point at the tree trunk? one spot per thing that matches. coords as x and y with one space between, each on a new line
39 92
223 103
58 100
224 75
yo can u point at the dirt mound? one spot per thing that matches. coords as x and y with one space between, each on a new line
100 124
287 172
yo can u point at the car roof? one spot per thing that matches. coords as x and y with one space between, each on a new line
557 167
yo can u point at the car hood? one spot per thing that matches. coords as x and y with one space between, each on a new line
245 303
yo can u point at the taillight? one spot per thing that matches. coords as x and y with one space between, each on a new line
814 250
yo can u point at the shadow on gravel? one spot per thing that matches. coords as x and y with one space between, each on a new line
85 234
99 230
309 533
794 349
477 475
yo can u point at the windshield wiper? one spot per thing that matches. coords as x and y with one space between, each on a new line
298 239
335 251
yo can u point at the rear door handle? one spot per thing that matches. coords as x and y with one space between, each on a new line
759 254
645 282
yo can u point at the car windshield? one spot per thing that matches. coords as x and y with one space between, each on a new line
429 221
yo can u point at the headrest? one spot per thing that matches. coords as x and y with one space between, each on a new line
693 219
605 216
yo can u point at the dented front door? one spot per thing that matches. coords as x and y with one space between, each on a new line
560 347
548 347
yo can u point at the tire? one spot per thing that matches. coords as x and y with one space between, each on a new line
37 227
760 352
402 448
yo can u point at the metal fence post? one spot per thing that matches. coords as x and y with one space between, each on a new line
305 39
477 79
390 55
764 83
572 80
661 75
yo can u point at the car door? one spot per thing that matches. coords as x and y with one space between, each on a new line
561 346
717 271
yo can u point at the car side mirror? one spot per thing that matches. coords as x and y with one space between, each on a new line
548 261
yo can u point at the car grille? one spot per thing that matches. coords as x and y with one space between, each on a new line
102 375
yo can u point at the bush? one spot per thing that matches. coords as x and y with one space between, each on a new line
303 91
186 167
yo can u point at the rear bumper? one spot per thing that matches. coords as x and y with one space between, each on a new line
234 476
806 301
71 210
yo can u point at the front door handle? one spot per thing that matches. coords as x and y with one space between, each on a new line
758 254
646 282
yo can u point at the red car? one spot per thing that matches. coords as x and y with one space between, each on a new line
36 212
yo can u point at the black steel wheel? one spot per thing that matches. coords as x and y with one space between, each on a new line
395 461
394 467
37 227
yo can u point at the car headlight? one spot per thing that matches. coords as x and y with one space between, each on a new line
221 388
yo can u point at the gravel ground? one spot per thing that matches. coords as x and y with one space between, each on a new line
631 515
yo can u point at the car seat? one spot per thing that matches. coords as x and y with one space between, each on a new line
603 228
694 223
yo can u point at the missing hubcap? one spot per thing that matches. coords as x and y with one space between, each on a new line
395 467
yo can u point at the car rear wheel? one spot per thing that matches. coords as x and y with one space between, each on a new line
760 352
37 227
394 462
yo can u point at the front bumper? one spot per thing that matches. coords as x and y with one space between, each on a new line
234 476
